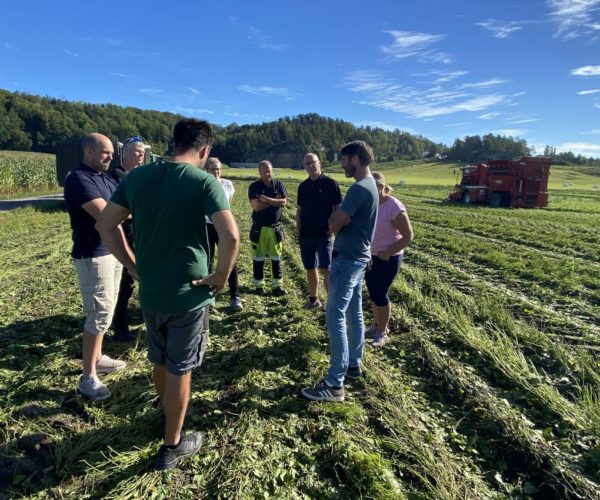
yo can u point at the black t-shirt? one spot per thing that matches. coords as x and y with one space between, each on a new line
271 215
83 185
118 173
316 200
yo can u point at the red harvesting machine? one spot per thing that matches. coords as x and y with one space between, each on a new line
505 183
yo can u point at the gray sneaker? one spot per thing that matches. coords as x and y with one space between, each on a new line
323 392
108 365
92 388
169 457
379 339
236 304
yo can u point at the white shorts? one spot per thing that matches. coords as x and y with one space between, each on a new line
99 279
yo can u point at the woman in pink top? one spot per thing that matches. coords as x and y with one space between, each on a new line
393 233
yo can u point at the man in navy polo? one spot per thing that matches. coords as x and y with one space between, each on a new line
87 189
318 197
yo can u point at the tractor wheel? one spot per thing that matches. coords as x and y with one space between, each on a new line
496 200
466 198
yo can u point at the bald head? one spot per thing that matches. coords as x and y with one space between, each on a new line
312 165
97 151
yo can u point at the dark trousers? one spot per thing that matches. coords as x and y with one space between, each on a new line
119 322
213 241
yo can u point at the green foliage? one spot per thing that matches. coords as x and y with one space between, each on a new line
488 387
24 172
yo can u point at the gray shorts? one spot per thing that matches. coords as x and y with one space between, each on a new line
177 340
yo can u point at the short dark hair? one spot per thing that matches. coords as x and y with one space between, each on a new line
191 133
360 149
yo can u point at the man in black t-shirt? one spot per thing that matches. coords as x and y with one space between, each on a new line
134 150
267 197
318 197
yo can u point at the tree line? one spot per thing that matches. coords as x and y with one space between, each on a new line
36 123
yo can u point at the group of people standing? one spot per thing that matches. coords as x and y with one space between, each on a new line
135 224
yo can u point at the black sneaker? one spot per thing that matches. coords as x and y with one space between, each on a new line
169 457
278 292
353 372
324 392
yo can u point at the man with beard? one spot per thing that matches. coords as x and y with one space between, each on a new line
354 226
87 190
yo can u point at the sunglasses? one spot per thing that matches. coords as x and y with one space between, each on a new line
131 140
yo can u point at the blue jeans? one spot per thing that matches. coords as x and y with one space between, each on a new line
344 306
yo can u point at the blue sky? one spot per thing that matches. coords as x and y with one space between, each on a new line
439 68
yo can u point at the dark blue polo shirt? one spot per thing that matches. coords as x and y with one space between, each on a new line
271 215
316 200
83 185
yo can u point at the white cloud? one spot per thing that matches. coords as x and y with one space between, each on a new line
483 85
586 71
383 125
71 53
120 75
502 29
580 148
269 91
10 46
595 131
193 90
192 111
150 91
573 17
257 37
512 132
586 92
488 116
460 124
247 116
414 44
527 120
435 100
448 77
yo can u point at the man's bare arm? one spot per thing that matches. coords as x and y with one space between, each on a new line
229 243
337 221
258 205
108 224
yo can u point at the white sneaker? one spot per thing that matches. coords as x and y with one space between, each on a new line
92 388
108 365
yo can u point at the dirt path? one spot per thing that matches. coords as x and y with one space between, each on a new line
36 201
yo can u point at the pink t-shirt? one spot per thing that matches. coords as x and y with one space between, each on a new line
386 233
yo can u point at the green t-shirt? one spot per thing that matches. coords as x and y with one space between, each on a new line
169 202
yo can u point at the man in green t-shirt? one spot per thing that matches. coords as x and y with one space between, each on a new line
169 201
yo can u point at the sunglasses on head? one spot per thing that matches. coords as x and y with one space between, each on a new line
131 140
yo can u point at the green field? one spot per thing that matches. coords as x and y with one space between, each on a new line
488 388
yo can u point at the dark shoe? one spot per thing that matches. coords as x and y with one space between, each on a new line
323 392
169 457
278 292
124 336
353 372
313 305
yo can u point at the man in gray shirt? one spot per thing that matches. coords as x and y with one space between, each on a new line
354 226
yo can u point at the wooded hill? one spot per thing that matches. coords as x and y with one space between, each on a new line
35 123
